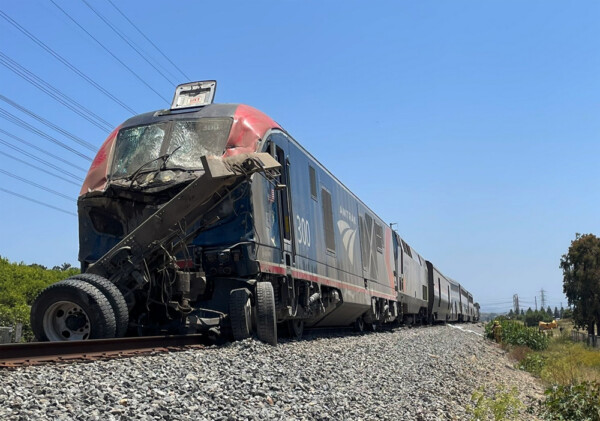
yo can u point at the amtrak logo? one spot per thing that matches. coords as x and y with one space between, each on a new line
348 237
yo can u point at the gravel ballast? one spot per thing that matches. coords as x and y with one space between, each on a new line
412 374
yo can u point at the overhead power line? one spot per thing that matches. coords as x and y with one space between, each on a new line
42 120
110 52
39 186
21 151
55 93
148 39
21 123
31 145
65 62
127 41
36 201
39 168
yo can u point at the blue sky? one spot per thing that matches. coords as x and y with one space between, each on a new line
473 125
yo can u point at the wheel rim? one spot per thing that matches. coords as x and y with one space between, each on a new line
248 314
66 321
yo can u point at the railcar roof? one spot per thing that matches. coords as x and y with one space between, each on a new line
212 110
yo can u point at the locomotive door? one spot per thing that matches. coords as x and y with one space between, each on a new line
278 149
397 264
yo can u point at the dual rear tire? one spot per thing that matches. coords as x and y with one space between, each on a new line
82 307
241 313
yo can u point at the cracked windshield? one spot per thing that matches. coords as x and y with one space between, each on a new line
190 139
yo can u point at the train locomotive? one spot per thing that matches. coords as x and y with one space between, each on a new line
211 218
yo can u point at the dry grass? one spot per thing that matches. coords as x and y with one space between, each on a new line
567 362
564 362
519 352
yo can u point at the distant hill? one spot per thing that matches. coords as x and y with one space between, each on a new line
486 317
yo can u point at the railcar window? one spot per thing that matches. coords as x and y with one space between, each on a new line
424 292
193 139
379 237
313 181
138 146
406 248
328 220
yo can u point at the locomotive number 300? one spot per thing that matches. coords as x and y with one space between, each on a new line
303 231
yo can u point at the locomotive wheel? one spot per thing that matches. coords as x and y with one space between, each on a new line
359 325
295 328
240 313
72 310
266 323
114 296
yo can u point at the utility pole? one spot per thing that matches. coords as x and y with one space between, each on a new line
516 304
543 298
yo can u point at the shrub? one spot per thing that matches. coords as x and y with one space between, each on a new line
533 363
579 402
19 285
502 405
514 333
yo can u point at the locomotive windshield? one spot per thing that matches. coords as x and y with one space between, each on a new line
140 148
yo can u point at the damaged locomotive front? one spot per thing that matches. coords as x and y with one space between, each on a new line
167 238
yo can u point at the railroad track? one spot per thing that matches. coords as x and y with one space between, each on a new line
36 353
33 353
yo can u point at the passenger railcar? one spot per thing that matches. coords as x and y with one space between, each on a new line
192 244
413 293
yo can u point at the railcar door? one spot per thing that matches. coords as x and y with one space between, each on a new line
279 150
397 265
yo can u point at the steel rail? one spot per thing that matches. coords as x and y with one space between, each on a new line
34 353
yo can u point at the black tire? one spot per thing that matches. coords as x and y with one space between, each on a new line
72 310
114 296
266 323
295 328
359 325
240 314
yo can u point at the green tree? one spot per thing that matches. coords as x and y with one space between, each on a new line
556 313
581 280
567 313
19 285
511 313
549 311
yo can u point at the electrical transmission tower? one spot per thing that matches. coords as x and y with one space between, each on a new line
543 298
516 304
